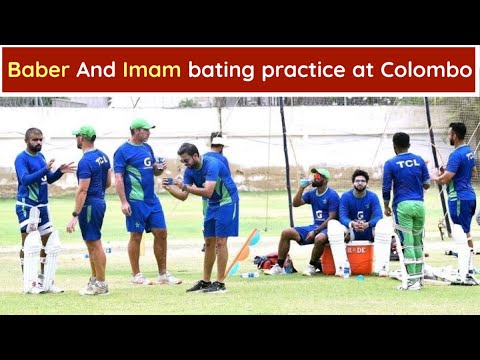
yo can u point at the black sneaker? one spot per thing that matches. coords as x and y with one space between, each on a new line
200 285
216 287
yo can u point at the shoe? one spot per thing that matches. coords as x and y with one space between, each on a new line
168 279
203 248
98 288
54 289
383 273
470 280
215 287
417 285
35 289
199 285
89 285
309 271
140 279
275 270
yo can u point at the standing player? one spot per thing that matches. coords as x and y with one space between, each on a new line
94 177
457 175
222 215
216 150
407 173
33 175
135 166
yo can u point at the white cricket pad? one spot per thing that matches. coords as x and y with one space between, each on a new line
336 238
463 251
382 245
52 249
31 257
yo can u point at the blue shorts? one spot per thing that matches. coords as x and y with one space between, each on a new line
145 217
462 212
23 214
221 221
303 232
90 220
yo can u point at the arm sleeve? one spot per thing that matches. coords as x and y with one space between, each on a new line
387 182
376 210
24 177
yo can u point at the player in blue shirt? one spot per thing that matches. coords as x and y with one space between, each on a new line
94 176
325 203
221 219
457 175
408 175
216 150
33 175
360 208
135 166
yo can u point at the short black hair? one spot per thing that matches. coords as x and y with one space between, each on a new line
401 140
32 131
459 129
359 172
187 148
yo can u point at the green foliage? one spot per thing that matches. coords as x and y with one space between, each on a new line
187 103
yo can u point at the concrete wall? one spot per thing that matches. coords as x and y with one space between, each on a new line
337 137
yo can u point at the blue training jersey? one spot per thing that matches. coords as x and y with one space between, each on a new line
33 178
366 208
135 163
461 162
220 157
94 165
322 204
211 169
407 173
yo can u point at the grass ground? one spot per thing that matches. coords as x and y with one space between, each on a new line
291 294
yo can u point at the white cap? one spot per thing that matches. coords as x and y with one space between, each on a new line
218 141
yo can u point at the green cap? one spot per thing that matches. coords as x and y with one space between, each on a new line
324 172
86 131
141 124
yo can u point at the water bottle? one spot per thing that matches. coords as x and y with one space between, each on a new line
346 269
108 248
251 274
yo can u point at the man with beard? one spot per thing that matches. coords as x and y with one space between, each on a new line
457 175
222 214
135 166
408 175
94 177
33 175
325 203
360 211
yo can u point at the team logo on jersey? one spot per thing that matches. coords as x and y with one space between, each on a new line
44 179
319 214
147 162
360 215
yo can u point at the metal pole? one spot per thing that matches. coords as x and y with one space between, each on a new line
287 165
435 159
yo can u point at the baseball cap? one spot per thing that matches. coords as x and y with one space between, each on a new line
324 172
86 131
218 141
141 124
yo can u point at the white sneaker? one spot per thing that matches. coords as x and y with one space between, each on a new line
98 288
35 290
275 270
54 289
140 279
310 270
411 286
168 279
383 273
